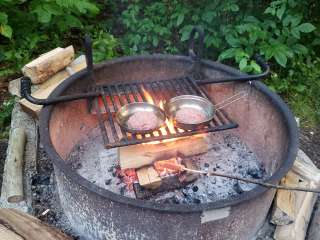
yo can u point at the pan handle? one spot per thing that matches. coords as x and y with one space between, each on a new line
245 77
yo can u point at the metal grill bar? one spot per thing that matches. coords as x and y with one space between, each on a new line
117 95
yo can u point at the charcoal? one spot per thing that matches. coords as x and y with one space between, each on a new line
195 188
108 181
255 173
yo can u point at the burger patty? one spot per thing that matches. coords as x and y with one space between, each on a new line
190 115
143 121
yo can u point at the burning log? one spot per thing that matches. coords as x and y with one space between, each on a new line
149 178
16 225
48 64
12 188
137 156
156 184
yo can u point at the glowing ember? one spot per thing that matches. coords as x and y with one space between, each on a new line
128 176
166 167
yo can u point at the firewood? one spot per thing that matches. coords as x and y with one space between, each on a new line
137 156
168 183
7 234
148 177
47 87
28 227
48 64
12 188
297 205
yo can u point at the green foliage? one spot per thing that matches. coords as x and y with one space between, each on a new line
5 117
104 46
31 27
300 86
234 29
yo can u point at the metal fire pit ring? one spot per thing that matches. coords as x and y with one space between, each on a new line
97 203
126 111
66 169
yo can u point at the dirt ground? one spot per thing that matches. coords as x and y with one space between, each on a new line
310 144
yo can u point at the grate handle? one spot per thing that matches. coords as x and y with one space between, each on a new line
196 55
245 77
26 93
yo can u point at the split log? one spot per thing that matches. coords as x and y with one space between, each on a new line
137 156
12 188
27 227
297 206
47 87
7 234
148 177
40 69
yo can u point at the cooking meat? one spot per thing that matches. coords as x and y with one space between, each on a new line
143 121
190 115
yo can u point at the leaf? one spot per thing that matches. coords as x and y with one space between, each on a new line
296 20
180 19
256 68
229 53
234 7
281 58
243 64
281 11
251 19
6 30
295 33
208 16
72 21
155 41
185 32
270 10
306 27
299 48
232 41
3 18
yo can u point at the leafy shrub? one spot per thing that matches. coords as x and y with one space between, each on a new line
31 27
300 87
234 29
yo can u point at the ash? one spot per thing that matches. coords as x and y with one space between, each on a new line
227 154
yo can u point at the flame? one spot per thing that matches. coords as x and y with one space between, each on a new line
147 95
161 105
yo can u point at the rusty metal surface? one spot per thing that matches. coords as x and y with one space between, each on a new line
265 125
98 218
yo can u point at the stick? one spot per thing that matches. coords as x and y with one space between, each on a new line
12 187
258 182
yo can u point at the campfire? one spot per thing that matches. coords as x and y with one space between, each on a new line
131 185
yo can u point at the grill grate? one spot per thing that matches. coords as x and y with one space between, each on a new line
114 96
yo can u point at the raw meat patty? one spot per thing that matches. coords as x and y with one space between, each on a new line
190 115
143 121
